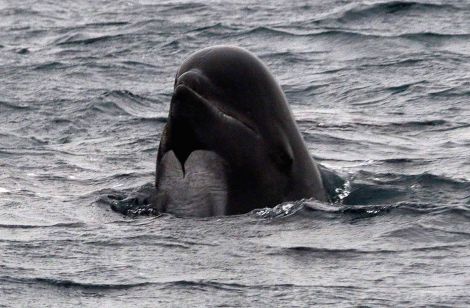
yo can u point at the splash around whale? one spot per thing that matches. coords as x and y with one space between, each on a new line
231 144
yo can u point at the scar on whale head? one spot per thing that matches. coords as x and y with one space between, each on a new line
231 144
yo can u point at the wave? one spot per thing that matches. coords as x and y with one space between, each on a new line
406 192
436 36
404 87
64 283
401 161
350 206
451 92
24 12
396 126
5 104
174 284
216 27
123 93
192 7
134 202
52 65
106 24
111 108
420 232
271 31
124 102
143 240
352 252
79 39
22 50
57 225
422 178
22 141
418 124
340 33
364 194
90 63
138 64
393 7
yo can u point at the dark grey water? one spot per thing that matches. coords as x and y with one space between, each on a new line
381 94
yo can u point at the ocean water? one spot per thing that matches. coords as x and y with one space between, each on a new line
380 91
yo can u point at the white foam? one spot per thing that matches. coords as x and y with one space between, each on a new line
3 190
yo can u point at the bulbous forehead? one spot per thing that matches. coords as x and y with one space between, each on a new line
229 66
216 58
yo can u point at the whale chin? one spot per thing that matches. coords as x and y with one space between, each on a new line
197 187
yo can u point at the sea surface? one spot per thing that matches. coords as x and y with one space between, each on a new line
380 91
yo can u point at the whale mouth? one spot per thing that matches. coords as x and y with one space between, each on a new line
202 90
197 122
215 108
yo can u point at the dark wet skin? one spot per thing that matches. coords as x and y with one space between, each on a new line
226 102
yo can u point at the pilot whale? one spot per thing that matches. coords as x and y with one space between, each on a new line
230 144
